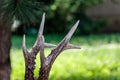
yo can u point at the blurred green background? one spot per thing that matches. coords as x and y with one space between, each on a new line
99 58
61 15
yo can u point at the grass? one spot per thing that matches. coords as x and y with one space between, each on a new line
99 58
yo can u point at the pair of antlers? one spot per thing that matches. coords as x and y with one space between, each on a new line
40 45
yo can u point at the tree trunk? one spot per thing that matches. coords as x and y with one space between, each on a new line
5 44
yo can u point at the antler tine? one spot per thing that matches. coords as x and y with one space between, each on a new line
63 45
69 35
37 43
66 39
25 51
42 25
72 30
71 46
41 38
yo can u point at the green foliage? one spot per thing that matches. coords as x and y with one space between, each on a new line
72 6
63 13
60 13
87 25
25 11
97 60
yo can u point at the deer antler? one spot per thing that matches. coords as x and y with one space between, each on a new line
31 56
46 62
63 45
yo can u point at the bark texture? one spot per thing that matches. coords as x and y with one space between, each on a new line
5 44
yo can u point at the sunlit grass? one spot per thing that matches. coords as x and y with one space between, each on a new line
99 59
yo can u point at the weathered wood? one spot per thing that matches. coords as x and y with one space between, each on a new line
46 62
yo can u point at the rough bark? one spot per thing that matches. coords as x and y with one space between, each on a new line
46 62
5 44
44 73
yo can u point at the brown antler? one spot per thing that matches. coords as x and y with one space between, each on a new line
46 62
63 45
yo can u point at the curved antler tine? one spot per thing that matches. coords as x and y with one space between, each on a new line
66 39
72 30
25 51
42 25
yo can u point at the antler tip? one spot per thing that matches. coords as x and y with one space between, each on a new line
23 39
42 25
43 14
71 46
78 21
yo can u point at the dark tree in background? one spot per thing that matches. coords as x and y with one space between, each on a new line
68 11
26 11
5 44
